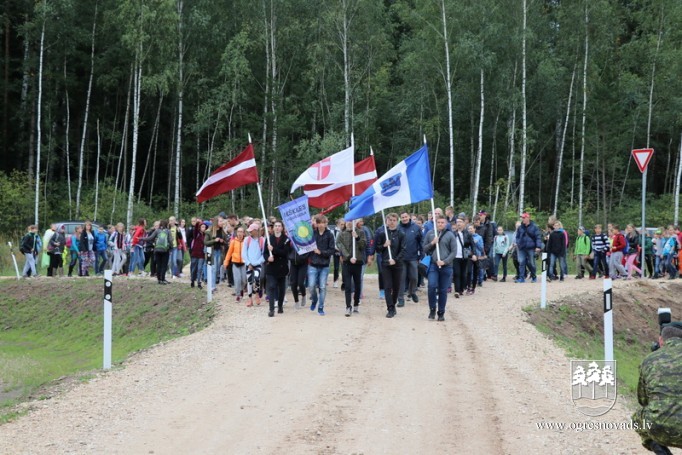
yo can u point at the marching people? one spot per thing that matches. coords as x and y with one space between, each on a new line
352 259
440 267
252 252
318 268
196 254
390 243
413 247
55 248
235 259
528 244
277 267
28 247
87 249
298 272
501 247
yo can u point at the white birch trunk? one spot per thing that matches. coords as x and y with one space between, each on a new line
85 118
181 82
124 142
38 121
155 134
136 126
99 154
524 136
479 153
651 89
581 174
66 143
676 192
563 142
448 88
510 162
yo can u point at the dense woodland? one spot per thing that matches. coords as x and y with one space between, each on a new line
115 108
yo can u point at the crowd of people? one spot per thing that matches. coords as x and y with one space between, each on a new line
452 254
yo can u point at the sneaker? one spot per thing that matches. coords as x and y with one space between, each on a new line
519 280
312 306
356 309
349 310
382 294
280 310
503 280
441 318
320 312
534 279
401 302
415 299
336 284
456 295
390 313
297 305
271 313
432 314
238 298
592 277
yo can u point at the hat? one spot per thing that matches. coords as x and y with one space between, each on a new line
222 215
252 227
581 228
525 215
659 232
482 212
462 215
206 223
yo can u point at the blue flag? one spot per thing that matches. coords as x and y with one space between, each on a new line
408 182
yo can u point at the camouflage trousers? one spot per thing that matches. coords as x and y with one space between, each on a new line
659 430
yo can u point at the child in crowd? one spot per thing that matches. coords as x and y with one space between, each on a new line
501 247
583 249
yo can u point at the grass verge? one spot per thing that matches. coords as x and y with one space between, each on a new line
52 328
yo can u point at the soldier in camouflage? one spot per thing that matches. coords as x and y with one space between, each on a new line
659 392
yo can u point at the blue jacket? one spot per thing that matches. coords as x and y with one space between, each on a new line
101 241
528 237
478 244
413 241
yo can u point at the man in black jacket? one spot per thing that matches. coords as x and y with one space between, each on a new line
391 244
318 270
464 248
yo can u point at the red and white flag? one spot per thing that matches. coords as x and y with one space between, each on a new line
238 172
328 197
337 168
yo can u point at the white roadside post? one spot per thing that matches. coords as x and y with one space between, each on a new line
543 284
608 320
209 272
14 259
108 288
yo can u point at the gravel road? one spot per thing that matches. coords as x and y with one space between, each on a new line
480 382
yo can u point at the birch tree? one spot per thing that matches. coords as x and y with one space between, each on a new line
479 153
39 107
581 178
563 142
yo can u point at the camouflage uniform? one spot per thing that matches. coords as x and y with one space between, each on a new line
659 392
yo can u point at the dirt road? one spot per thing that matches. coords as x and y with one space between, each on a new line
480 382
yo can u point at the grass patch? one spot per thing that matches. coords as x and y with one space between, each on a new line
52 328
575 323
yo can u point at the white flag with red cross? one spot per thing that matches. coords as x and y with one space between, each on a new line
337 168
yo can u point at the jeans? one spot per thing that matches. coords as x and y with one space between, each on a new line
172 255
527 259
439 281
410 272
317 278
669 266
196 266
30 264
553 258
600 259
503 259
136 258
217 263
99 266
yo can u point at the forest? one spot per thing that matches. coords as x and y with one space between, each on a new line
116 109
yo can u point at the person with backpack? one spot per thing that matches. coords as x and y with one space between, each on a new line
583 249
600 247
277 267
72 242
669 252
631 251
162 245
28 248
137 247
55 248
252 252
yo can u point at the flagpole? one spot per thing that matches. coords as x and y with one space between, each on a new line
390 256
352 191
433 217
262 207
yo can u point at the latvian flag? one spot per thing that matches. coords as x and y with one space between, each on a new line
238 172
328 197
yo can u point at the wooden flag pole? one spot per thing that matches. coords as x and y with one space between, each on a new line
262 207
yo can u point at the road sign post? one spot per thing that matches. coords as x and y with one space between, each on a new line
608 319
642 158
108 299
543 283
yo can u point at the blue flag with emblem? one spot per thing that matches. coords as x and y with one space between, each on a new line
408 182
